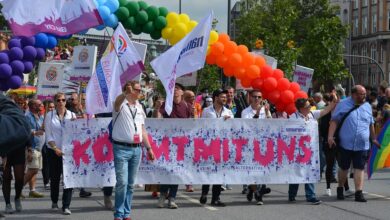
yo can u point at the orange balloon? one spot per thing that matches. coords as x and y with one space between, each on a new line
228 71
222 60
266 71
278 74
295 87
248 59
223 38
239 73
242 49
235 60
246 83
252 72
260 61
230 48
210 59
217 48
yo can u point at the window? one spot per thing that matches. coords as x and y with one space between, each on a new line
355 60
364 53
382 54
373 53
356 26
364 3
374 2
365 24
388 20
356 4
374 23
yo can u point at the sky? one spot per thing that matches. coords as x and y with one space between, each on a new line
196 9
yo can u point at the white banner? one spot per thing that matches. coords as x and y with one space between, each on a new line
186 56
303 76
50 77
235 151
84 61
189 79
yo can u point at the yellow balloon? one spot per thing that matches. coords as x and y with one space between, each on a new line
208 50
166 33
180 30
173 40
184 18
191 25
213 37
172 18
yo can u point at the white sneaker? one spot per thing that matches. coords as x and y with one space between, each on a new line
328 192
9 209
172 204
66 212
161 201
349 193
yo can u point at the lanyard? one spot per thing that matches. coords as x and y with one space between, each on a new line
63 118
133 114
216 114
37 126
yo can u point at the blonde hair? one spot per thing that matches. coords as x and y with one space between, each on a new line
57 95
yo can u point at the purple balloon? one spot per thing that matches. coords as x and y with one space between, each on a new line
27 41
14 82
3 85
4 58
14 43
29 53
40 53
5 71
28 66
17 67
15 53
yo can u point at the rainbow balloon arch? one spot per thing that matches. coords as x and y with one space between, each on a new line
158 22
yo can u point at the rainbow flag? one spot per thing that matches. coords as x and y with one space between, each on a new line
380 158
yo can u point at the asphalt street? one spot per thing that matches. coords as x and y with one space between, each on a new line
276 205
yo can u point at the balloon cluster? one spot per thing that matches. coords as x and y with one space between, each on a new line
18 59
252 70
46 41
107 9
178 26
141 18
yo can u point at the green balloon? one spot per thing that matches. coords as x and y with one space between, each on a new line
160 22
148 27
156 34
143 5
136 30
122 2
163 11
141 18
133 8
152 12
122 13
130 23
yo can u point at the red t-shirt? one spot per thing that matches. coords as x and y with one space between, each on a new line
180 110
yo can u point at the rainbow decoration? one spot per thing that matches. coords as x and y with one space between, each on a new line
380 158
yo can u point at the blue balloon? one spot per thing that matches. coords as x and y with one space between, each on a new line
14 82
104 12
83 32
15 54
5 71
112 21
100 2
4 57
52 41
28 66
27 41
41 53
17 67
41 40
14 43
100 27
113 5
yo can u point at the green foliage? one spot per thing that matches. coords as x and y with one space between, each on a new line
312 25
209 78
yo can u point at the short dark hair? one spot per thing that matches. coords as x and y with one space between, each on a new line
218 92
300 103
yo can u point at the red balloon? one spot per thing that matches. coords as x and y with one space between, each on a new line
274 96
287 97
283 84
290 108
210 59
278 74
228 71
246 83
280 106
258 83
266 71
300 95
270 84
222 60
295 87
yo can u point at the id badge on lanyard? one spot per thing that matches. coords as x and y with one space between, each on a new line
136 136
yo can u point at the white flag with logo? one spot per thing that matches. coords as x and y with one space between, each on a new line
188 55
120 63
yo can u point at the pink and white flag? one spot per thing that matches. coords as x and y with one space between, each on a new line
58 17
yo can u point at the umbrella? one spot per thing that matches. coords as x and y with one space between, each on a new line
25 90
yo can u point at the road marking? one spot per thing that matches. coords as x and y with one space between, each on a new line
197 202
376 195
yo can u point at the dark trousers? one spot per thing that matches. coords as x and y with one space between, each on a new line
331 157
107 191
164 188
45 165
55 177
216 191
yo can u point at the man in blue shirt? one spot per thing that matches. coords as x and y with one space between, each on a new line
355 134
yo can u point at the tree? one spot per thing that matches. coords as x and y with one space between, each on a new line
306 32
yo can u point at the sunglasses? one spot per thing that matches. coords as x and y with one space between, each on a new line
257 97
60 100
137 90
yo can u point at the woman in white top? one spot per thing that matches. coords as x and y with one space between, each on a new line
54 122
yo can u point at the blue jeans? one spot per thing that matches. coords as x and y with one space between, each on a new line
309 190
126 161
172 190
